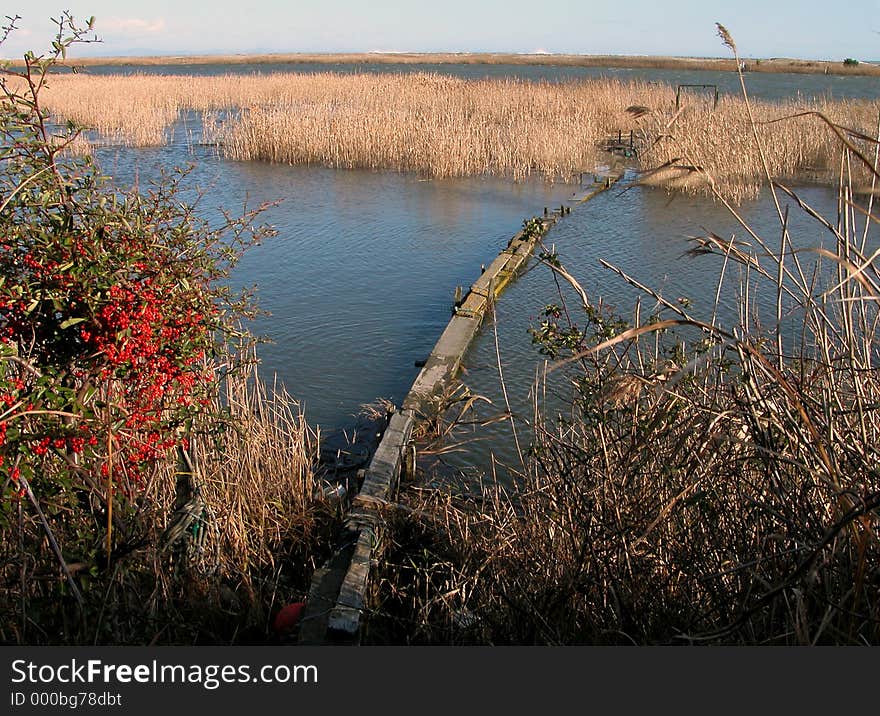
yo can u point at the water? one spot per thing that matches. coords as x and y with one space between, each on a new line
360 278
643 232
761 85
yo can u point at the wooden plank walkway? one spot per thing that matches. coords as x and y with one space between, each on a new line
337 597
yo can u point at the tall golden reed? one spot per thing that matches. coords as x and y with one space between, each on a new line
444 126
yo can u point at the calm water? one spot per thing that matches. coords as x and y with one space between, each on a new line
359 279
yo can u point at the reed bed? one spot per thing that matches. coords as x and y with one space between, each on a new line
437 126
433 124
444 126
699 145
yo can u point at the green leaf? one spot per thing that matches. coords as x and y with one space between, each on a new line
71 322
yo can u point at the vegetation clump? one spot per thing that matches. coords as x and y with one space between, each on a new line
144 468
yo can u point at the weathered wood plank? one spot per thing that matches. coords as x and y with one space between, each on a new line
338 618
324 592
344 621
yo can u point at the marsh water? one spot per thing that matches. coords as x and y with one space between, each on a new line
360 278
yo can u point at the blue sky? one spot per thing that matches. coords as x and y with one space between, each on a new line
809 29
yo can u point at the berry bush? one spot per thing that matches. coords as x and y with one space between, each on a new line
115 319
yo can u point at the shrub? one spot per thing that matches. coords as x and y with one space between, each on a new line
110 304
115 319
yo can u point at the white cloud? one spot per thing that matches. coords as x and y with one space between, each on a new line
129 25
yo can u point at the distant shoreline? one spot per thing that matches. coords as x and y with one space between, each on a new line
775 64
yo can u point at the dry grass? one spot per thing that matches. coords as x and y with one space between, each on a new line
435 125
697 144
443 126
258 481
265 528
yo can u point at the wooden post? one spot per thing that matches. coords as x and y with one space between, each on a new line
456 301
408 463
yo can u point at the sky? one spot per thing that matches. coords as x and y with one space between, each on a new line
808 29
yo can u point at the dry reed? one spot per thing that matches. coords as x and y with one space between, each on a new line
257 478
698 143
435 125
718 484
265 527
444 126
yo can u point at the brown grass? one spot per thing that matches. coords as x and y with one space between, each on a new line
258 479
699 145
435 125
267 527
443 126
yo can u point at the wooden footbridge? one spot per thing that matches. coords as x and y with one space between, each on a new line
337 597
